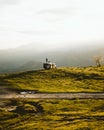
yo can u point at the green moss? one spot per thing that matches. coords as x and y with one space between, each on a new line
57 115
54 114
58 80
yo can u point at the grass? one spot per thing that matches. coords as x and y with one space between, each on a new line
70 79
54 115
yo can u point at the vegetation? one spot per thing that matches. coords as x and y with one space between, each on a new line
70 79
52 115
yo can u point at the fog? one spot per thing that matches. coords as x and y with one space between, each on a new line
51 24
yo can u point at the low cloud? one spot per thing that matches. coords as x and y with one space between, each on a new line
58 11
36 32
8 2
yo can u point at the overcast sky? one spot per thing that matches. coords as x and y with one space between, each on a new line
51 23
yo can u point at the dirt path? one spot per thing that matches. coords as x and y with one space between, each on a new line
55 96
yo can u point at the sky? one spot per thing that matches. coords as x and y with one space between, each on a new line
51 24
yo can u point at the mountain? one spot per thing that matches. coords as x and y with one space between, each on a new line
31 65
28 57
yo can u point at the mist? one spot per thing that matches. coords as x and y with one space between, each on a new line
68 32
51 24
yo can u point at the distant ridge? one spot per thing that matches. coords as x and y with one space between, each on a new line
28 57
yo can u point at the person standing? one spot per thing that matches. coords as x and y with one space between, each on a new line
46 60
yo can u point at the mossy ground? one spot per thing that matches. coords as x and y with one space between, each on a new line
53 115
89 79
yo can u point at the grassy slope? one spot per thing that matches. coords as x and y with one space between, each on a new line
89 79
57 115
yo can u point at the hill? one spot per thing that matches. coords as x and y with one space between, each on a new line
29 57
67 79
54 114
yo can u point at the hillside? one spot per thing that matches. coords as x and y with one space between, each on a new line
76 114
67 79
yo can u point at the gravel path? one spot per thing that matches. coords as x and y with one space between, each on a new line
55 96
